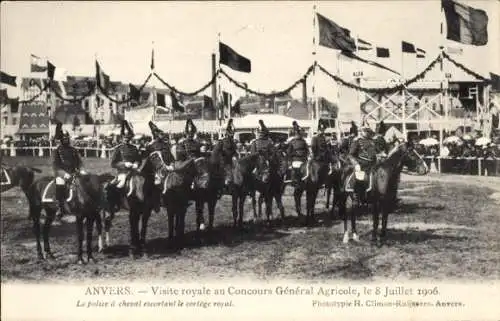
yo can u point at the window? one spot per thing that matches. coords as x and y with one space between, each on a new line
5 120
14 121
434 105
110 105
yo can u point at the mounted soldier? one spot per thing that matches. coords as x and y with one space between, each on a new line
126 158
228 150
263 144
320 150
159 148
190 146
66 162
297 152
363 153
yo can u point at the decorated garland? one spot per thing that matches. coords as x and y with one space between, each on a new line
129 99
193 93
76 100
465 69
271 95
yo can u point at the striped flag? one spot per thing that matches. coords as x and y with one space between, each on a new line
408 47
8 79
333 36
420 53
101 78
364 45
454 50
465 24
38 64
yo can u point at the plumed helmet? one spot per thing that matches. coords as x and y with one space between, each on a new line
155 131
321 125
262 127
59 134
230 127
190 128
126 130
381 128
296 128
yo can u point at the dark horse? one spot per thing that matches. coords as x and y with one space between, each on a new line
311 185
17 176
381 197
84 200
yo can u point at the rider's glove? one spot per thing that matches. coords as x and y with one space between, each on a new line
128 164
83 172
170 167
135 166
67 176
357 168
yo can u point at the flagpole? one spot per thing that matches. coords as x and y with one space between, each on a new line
314 94
443 84
153 117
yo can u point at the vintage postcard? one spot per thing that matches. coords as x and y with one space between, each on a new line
303 160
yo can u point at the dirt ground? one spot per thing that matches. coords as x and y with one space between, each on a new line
446 227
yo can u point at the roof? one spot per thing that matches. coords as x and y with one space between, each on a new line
270 120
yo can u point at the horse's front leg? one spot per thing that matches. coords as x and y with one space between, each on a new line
134 217
375 218
297 195
260 202
269 207
240 210
343 213
108 220
235 198
79 232
90 228
385 216
35 213
279 203
356 208
311 195
46 232
199 204
99 227
144 229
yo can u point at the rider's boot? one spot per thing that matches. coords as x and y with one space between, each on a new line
61 202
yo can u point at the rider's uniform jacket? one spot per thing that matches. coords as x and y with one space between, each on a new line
298 149
263 146
66 159
163 148
192 147
319 148
363 152
380 144
125 152
228 149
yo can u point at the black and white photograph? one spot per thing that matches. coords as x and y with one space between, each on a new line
275 159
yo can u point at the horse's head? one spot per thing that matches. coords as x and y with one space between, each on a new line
23 176
414 162
89 190
202 178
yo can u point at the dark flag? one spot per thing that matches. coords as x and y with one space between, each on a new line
364 45
333 36
37 64
4 97
134 93
408 47
232 59
176 105
382 52
152 59
465 24
420 53
372 63
101 78
208 103
495 81
51 70
160 100
14 105
7 79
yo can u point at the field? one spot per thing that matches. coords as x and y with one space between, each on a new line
446 227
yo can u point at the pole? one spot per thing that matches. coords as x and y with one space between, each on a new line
153 117
314 95
214 85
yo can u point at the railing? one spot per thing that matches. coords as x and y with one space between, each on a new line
452 165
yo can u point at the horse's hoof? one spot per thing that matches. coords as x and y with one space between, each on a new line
91 259
50 256
345 240
144 255
202 227
80 261
41 257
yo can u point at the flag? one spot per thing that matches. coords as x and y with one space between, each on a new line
208 102
454 50
372 63
14 105
7 79
232 59
333 36
382 52
465 24
134 93
152 59
408 47
495 81
38 64
51 69
101 78
4 97
420 53
364 45
176 105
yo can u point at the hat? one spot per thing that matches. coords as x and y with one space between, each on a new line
296 127
59 135
190 127
155 131
230 127
126 130
262 127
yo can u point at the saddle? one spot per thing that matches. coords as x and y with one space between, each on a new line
49 192
4 177
175 179
360 179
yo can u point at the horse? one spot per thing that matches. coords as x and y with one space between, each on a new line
84 201
242 184
275 187
381 196
21 176
311 185
107 214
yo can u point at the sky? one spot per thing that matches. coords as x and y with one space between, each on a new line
275 36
